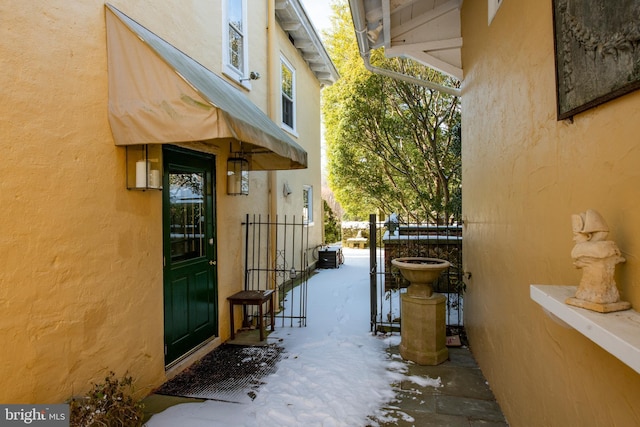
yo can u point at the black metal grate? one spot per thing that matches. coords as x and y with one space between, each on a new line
230 373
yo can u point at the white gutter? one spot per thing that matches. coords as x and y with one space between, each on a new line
360 25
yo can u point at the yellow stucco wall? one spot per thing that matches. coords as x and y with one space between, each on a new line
81 278
307 134
524 174
81 282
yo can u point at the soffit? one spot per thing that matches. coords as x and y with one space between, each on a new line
428 31
294 21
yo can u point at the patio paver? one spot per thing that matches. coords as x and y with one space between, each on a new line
464 399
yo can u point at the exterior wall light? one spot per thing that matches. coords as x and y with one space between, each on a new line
286 190
237 176
144 167
254 75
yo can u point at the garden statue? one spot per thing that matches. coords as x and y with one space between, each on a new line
597 257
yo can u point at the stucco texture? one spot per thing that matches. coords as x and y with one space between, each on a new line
81 282
307 132
524 174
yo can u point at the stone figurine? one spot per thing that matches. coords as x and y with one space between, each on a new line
597 257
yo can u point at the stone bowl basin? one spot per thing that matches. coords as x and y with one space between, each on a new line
421 272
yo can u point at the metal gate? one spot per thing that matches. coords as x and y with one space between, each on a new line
277 257
399 237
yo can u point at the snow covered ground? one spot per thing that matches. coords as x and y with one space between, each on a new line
334 371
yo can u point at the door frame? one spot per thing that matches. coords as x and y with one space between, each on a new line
179 159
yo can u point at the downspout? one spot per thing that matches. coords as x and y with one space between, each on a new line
272 110
360 25
272 107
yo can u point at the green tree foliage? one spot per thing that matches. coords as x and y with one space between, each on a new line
331 225
392 146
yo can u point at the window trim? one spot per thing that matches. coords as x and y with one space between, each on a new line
308 202
287 64
228 69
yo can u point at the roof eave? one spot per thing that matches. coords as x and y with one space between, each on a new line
294 21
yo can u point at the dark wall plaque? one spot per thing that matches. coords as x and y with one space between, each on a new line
597 48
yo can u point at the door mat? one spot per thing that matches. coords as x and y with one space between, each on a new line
230 373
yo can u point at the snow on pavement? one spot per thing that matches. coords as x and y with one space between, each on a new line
334 372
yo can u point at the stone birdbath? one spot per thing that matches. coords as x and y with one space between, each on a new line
423 329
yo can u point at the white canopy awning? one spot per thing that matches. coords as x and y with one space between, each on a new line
159 95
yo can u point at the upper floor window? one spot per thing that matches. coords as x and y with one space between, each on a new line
235 39
288 79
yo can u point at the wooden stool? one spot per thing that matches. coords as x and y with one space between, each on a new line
253 298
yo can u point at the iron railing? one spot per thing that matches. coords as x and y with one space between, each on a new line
399 237
277 257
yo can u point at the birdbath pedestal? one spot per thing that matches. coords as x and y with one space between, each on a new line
423 329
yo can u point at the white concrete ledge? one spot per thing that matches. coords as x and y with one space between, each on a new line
618 332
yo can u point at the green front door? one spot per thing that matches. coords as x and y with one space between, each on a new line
190 288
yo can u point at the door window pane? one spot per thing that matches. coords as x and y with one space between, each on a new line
187 216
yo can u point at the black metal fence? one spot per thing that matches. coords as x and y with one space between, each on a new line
401 237
277 257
